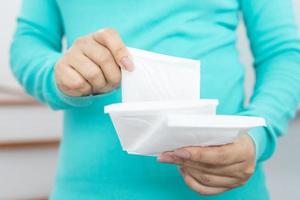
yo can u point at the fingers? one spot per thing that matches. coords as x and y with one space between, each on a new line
71 82
112 40
216 155
206 155
96 58
104 59
88 70
211 170
221 155
213 180
200 188
234 170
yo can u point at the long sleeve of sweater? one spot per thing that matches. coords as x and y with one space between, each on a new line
275 45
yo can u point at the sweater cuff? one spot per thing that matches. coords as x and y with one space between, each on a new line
264 141
260 140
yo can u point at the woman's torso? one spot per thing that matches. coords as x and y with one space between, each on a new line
92 163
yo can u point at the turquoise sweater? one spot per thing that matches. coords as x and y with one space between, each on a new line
92 164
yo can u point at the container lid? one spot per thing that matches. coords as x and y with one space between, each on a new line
159 105
214 121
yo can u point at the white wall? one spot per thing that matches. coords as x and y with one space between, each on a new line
24 172
27 173
8 10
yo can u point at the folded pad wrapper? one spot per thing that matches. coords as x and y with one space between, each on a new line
161 109
142 127
147 131
158 77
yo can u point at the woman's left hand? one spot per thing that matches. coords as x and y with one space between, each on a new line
214 170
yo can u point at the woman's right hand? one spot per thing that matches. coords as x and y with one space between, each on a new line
92 64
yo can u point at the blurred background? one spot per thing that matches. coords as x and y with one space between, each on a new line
30 132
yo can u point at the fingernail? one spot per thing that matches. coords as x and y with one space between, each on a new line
182 154
116 85
165 159
127 63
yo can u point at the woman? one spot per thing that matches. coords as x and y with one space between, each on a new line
86 77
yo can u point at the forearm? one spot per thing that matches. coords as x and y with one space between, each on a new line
275 44
35 49
276 97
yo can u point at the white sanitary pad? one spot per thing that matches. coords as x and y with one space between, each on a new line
158 77
161 109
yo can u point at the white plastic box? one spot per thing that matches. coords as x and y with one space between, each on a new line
150 128
142 127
